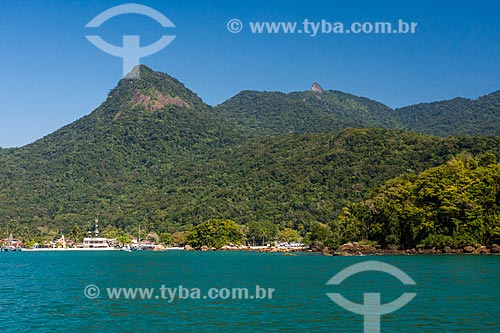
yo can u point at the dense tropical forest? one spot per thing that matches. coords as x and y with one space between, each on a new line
325 167
455 204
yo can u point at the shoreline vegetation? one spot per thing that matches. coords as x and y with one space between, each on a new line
348 249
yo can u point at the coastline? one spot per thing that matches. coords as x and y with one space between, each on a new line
356 249
349 249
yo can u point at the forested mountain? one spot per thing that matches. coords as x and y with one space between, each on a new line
147 127
155 154
459 116
276 113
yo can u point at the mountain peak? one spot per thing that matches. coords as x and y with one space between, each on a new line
136 72
148 90
317 88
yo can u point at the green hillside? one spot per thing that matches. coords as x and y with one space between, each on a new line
155 155
117 154
275 113
459 116
456 204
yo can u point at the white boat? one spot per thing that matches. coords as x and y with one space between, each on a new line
96 242
126 248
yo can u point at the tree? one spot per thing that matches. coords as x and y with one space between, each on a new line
165 238
215 233
179 238
319 235
262 231
153 237
76 234
123 239
288 235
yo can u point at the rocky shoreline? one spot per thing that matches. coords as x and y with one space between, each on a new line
356 249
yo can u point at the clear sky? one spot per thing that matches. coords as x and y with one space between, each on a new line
51 74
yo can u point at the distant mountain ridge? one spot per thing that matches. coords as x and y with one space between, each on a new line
312 112
304 112
458 116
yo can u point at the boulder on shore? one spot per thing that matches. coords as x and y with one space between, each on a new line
482 250
355 249
495 248
469 249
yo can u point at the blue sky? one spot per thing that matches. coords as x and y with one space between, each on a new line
52 75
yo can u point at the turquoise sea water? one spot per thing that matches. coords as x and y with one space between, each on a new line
44 292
